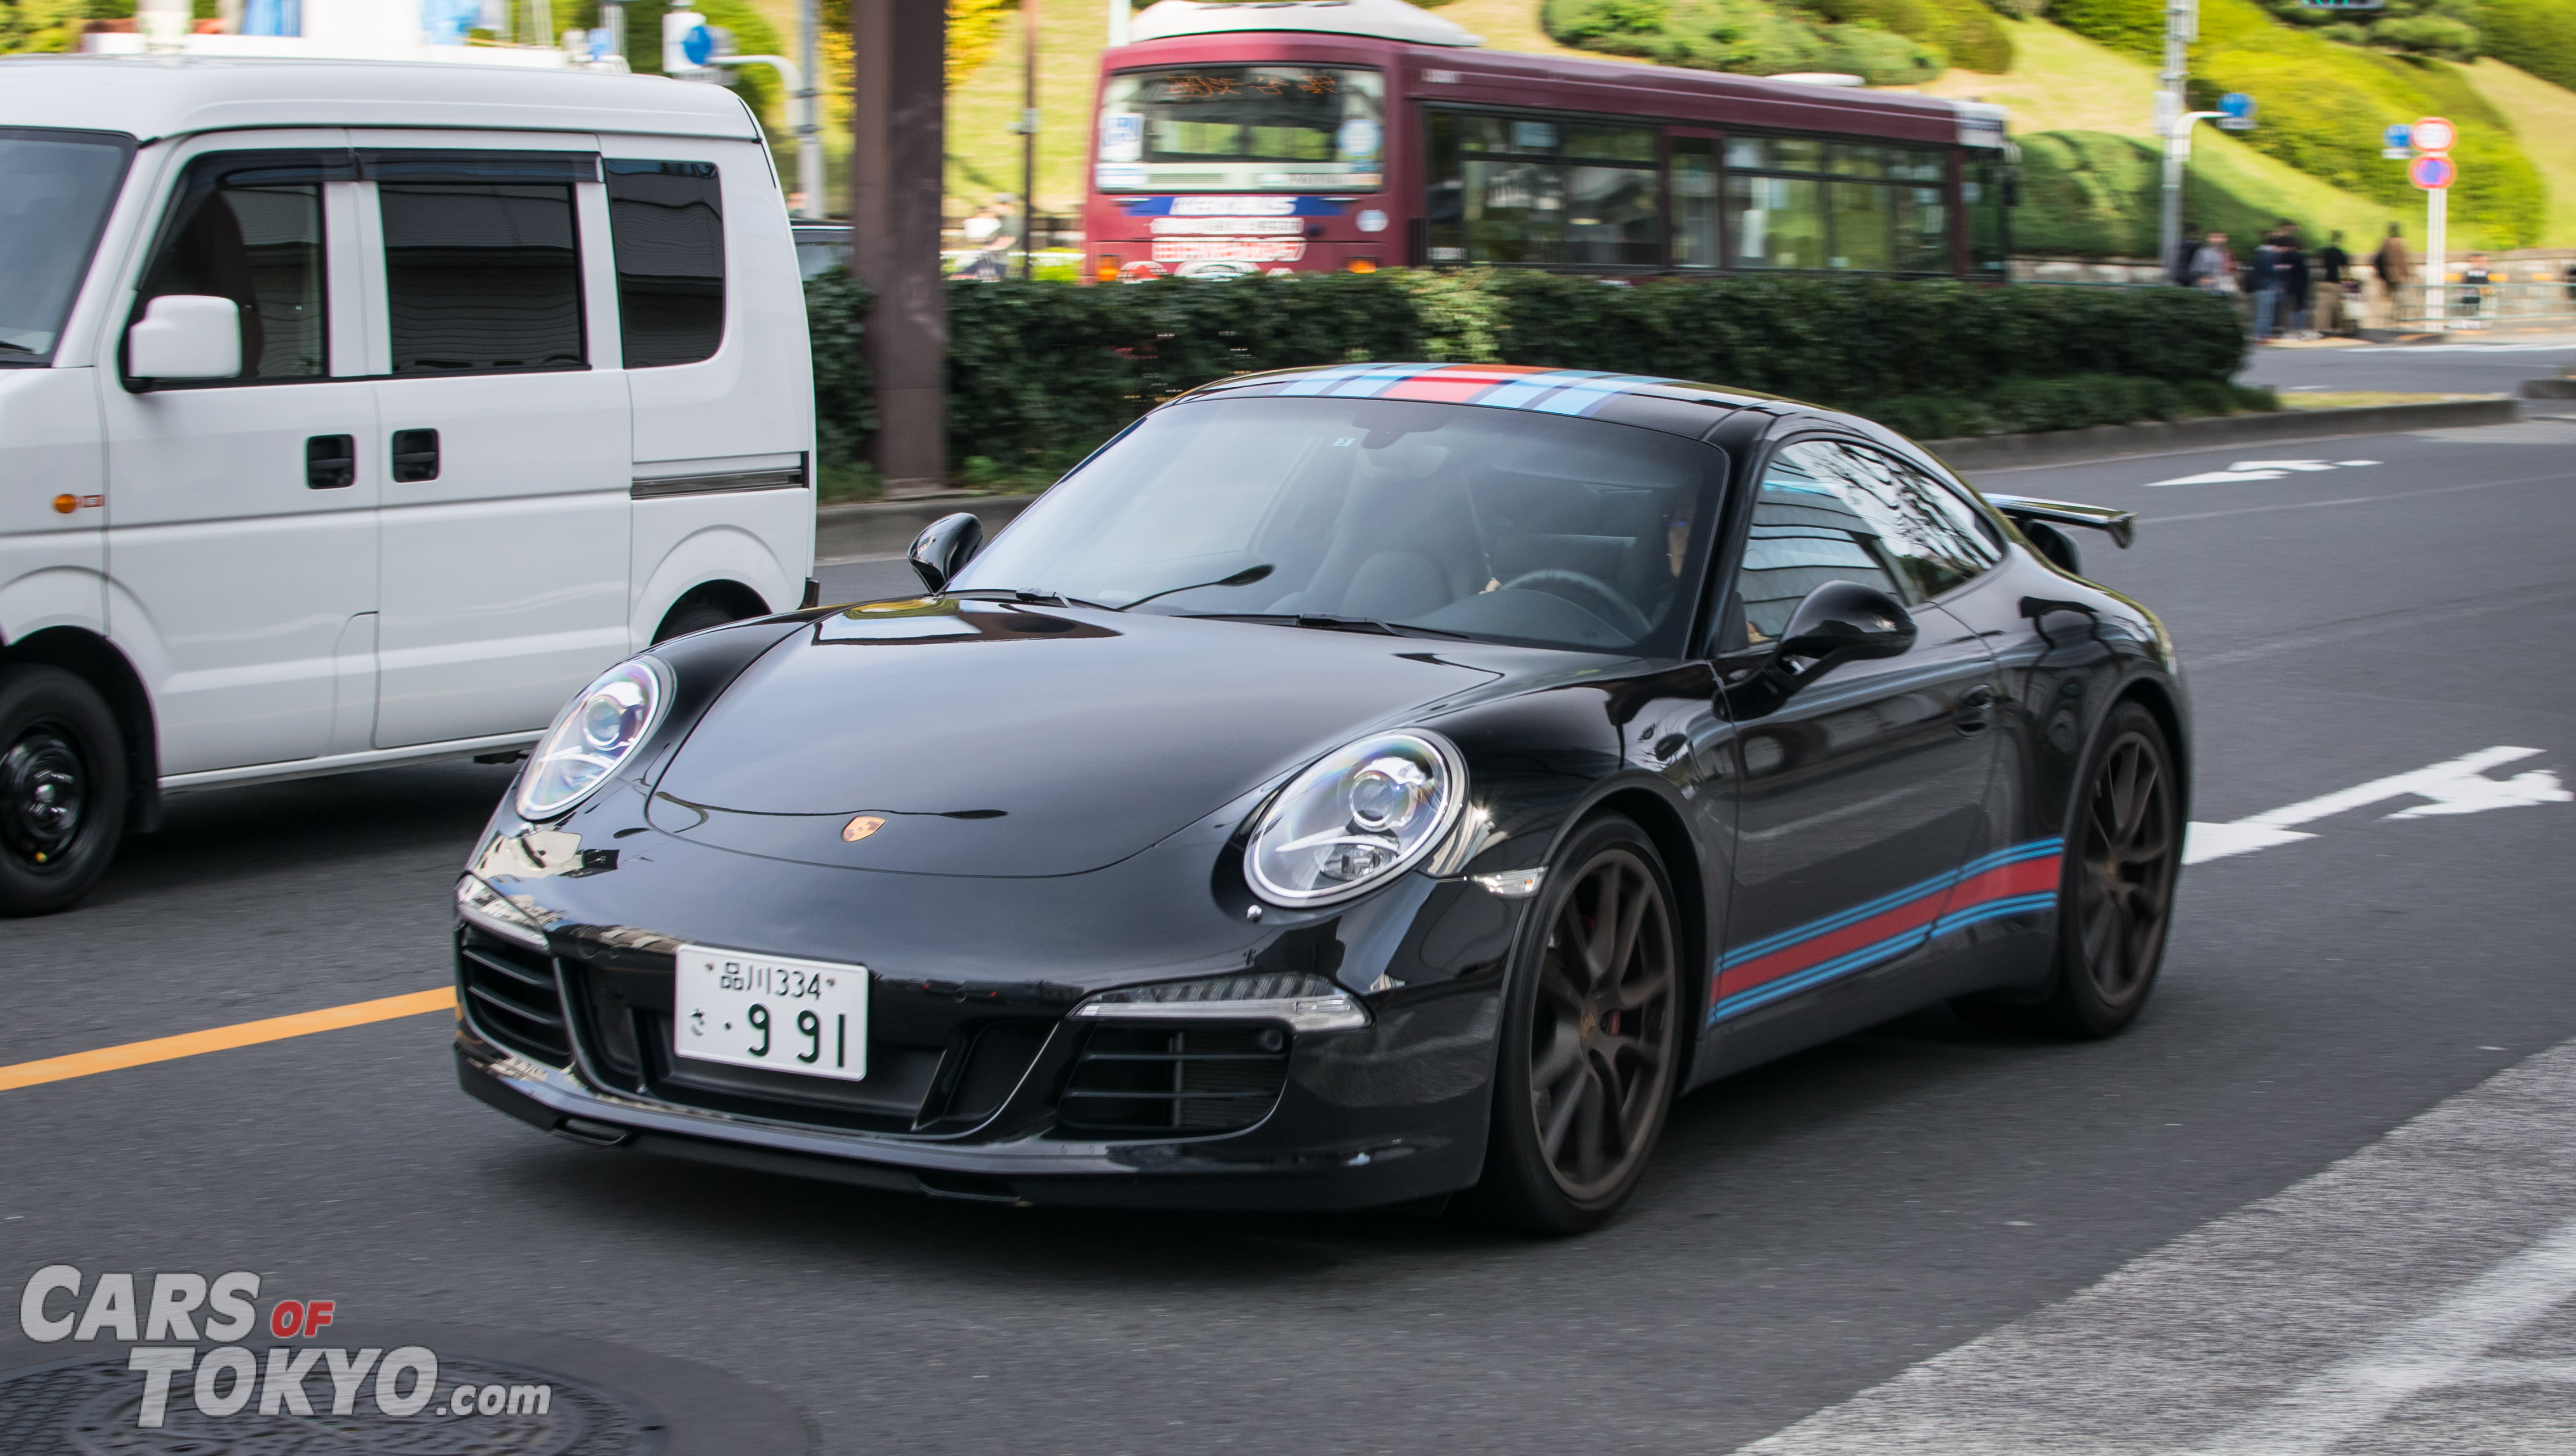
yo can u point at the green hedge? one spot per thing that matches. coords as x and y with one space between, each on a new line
1040 373
1749 37
2325 105
2537 35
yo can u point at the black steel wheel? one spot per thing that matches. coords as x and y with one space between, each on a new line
2124 841
62 789
1591 1040
694 614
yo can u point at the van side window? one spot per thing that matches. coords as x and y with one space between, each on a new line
668 222
248 226
482 276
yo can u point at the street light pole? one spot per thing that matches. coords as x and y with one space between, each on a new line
1029 141
1120 14
809 138
2182 27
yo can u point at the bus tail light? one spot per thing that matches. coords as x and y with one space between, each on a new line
1107 271
1363 265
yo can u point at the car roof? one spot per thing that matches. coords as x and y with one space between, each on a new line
150 97
1676 406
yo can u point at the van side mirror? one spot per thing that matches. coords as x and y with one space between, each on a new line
1843 621
185 336
944 547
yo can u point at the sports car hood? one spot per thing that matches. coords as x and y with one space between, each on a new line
992 739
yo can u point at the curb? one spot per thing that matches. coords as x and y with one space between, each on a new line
2160 437
2549 389
886 528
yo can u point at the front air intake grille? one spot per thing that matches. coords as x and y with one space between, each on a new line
510 996
1144 1081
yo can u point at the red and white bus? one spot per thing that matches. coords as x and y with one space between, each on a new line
1324 135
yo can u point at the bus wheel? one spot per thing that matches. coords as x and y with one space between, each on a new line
62 789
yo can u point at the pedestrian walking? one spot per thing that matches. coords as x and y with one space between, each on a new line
2291 261
2178 268
2263 279
2213 267
2396 268
2334 265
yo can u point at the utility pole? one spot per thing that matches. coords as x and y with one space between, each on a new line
897 161
1120 13
1029 140
2174 122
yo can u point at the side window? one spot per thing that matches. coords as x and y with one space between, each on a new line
667 219
481 275
248 226
1804 534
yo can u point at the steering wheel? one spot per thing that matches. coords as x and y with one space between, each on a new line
1622 615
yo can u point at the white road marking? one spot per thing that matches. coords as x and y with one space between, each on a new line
2368 1296
2456 349
2459 786
2252 470
2433 1350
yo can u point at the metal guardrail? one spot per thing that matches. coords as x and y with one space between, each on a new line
2456 305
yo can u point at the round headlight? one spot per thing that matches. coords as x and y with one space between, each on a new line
606 723
1366 812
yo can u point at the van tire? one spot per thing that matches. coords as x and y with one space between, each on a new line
696 613
63 789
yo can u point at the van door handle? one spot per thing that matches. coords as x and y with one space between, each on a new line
330 462
415 456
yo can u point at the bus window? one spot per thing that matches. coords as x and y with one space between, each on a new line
1506 189
1864 209
1983 197
1242 129
1694 202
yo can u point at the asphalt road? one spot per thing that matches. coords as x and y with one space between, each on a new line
1810 1231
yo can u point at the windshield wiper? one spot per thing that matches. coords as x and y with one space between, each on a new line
1328 623
1022 594
1245 577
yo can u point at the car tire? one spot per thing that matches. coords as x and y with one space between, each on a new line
693 614
2124 840
1591 1037
62 789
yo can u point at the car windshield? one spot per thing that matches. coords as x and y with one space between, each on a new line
1241 129
1431 518
55 187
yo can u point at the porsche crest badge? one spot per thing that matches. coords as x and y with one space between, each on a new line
861 827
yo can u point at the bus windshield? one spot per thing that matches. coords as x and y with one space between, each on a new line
1243 129
55 188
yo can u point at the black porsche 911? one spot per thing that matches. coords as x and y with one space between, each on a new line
1350 786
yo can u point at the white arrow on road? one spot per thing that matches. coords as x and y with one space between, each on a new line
2244 470
2457 787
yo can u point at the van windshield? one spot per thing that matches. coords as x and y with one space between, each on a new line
55 189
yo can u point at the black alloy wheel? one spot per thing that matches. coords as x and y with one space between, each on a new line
2115 899
62 789
1591 1037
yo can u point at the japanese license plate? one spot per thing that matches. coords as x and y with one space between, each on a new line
768 1011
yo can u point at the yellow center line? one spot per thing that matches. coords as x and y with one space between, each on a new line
223 1038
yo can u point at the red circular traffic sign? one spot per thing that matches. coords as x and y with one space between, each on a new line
2433 173
2434 134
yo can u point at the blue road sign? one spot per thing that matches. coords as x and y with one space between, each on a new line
2236 112
2399 134
698 45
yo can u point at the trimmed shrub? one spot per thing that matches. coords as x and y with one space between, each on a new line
1040 373
2537 35
1748 37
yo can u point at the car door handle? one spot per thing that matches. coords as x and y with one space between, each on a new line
1976 708
415 456
330 462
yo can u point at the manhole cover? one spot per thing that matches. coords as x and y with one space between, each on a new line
92 1408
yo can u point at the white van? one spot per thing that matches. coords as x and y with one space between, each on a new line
358 412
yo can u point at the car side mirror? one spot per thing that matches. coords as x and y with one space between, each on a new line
944 547
185 336
1843 621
